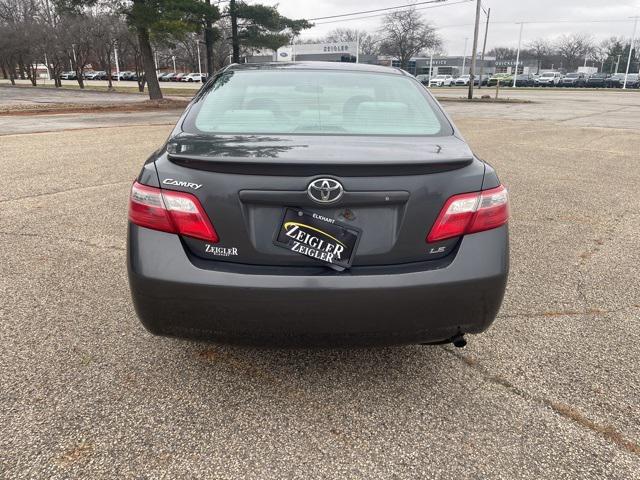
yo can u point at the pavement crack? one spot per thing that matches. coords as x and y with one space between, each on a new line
86 243
595 114
567 412
566 313
586 256
58 192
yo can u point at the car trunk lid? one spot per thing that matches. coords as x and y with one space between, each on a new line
393 190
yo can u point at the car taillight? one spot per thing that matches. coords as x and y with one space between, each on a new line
470 213
170 211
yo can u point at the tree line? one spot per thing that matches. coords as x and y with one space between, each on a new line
145 34
406 34
402 34
148 35
571 51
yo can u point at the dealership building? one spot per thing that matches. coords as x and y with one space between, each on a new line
347 52
319 52
457 66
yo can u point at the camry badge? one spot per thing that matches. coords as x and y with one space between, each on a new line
181 183
325 190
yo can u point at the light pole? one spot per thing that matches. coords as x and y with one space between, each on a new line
484 48
515 76
618 64
199 61
173 59
115 51
633 41
73 50
474 51
430 68
464 55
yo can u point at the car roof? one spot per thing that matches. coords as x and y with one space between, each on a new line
308 65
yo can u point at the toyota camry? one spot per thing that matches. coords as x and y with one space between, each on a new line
317 202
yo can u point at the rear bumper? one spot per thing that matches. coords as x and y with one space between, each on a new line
407 304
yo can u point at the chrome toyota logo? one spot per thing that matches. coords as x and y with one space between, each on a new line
325 190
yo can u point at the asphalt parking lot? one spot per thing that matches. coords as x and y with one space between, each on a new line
550 391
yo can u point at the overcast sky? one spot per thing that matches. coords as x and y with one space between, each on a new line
455 21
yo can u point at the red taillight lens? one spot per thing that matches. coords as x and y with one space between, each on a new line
470 213
146 208
170 211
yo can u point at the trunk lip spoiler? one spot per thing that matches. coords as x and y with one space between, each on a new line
332 162
310 168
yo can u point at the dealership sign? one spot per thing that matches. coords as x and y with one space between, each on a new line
287 53
507 63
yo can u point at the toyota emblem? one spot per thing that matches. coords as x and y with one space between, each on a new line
325 190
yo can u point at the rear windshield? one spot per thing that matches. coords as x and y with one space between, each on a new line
315 102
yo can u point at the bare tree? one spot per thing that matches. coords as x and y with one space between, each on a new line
600 52
22 48
369 44
105 34
541 49
405 34
503 53
81 39
574 48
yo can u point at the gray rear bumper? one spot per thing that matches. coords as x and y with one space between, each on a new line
396 304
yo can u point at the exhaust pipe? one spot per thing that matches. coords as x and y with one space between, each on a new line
459 341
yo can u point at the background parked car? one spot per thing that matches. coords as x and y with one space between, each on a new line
598 80
505 79
122 76
549 79
95 75
178 77
574 79
423 79
166 77
193 77
68 76
463 80
524 80
442 81
476 80
633 80
615 81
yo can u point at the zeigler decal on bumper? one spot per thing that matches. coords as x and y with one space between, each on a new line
220 251
318 237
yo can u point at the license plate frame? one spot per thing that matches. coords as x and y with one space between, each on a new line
318 236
